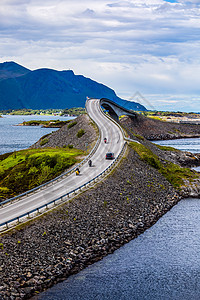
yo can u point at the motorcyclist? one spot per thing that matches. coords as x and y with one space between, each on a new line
105 140
77 171
90 163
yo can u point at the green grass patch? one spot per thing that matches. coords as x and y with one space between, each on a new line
166 148
26 169
49 123
138 136
70 125
80 133
44 141
172 172
156 118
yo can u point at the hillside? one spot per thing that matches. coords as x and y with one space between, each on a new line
47 88
12 70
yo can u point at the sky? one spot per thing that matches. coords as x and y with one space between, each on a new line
149 47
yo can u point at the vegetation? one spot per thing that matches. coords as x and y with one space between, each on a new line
26 111
72 124
172 172
138 136
26 169
50 123
166 148
80 133
170 114
75 111
44 141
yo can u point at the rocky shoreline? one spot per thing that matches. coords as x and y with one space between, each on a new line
43 252
154 130
48 250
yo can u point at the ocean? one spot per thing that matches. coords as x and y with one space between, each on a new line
162 263
14 138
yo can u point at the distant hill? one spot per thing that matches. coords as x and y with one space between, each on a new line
47 88
11 70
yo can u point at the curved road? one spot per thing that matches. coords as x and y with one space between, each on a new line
115 143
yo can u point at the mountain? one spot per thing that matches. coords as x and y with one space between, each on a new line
11 70
47 88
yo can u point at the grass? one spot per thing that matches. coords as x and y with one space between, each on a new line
166 148
49 123
80 133
44 141
156 118
172 172
71 124
26 169
138 136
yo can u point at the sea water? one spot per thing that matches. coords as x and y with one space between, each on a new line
189 144
14 138
163 263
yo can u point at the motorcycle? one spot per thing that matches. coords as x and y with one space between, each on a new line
77 171
105 140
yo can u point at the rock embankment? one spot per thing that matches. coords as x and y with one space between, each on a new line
67 135
83 231
153 129
48 250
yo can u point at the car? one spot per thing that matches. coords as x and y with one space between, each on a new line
110 155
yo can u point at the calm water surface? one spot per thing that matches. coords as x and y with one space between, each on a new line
191 145
14 138
163 263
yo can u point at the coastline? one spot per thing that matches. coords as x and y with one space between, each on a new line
86 229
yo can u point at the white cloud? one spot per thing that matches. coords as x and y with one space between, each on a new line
151 46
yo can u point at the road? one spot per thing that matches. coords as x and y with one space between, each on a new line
115 143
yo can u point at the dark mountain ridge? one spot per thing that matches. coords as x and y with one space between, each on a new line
48 88
11 70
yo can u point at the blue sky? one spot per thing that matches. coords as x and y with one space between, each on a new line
149 46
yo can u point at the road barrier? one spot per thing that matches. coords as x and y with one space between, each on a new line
55 179
61 198
63 175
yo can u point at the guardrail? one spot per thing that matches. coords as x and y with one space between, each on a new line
111 119
57 178
65 195
64 174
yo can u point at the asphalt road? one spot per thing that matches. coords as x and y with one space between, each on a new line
114 144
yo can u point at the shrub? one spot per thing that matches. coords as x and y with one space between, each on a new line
44 141
71 124
80 133
70 146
